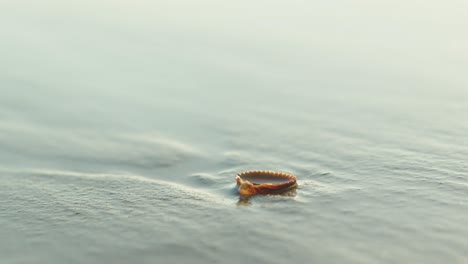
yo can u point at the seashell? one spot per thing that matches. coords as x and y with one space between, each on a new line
264 182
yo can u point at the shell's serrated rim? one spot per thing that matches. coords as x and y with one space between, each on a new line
284 175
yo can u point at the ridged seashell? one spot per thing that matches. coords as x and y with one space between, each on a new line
264 182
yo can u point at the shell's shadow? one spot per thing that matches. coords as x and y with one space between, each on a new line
247 200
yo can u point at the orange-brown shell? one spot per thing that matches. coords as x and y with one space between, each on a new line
264 182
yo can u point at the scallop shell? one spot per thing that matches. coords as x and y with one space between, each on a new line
264 182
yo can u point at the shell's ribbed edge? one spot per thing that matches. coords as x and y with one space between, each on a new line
269 173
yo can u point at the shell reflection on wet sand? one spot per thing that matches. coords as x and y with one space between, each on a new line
264 182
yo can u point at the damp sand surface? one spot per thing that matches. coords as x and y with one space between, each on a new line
123 125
